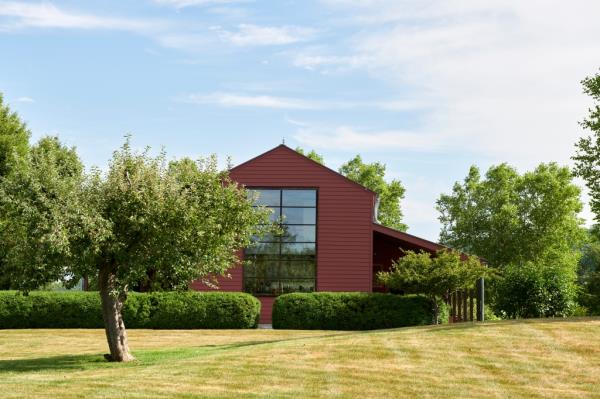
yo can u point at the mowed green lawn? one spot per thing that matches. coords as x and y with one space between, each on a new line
555 358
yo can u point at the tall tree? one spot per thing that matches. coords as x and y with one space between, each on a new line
587 156
510 218
524 225
390 194
312 154
14 143
184 220
40 213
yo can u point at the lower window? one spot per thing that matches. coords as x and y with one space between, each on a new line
273 275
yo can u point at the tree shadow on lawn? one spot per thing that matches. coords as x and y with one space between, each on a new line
52 363
144 358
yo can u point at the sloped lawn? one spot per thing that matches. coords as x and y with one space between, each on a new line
553 358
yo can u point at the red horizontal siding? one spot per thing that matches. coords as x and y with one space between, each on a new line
266 309
233 283
224 284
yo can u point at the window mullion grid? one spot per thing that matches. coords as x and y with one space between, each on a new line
279 283
279 262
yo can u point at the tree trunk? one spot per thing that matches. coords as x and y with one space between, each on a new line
112 305
436 311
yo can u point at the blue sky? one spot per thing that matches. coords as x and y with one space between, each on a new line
428 87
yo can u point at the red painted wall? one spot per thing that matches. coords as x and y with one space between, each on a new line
235 283
344 220
344 215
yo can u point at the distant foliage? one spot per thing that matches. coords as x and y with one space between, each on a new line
588 274
434 276
349 311
312 154
390 194
587 156
165 310
372 176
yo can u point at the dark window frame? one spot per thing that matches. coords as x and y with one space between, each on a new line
280 258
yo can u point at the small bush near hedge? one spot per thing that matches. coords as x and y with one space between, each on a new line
350 311
160 310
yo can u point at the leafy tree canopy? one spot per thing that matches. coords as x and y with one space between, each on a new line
508 218
14 144
14 138
185 220
390 194
587 156
40 213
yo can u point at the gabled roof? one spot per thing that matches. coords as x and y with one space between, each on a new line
297 154
414 240
409 238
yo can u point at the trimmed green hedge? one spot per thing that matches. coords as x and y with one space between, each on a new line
350 311
160 310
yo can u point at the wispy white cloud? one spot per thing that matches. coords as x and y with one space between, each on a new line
25 100
499 77
255 35
19 15
346 138
243 35
233 99
243 100
16 16
191 3
312 61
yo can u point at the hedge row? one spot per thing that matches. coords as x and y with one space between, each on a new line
161 310
350 311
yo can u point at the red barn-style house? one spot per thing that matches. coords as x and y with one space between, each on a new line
331 239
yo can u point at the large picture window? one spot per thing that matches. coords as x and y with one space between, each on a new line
286 262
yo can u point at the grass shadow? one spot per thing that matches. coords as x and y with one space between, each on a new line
144 358
52 363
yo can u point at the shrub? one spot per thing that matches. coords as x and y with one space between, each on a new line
350 311
532 290
163 310
215 310
433 275
589 297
